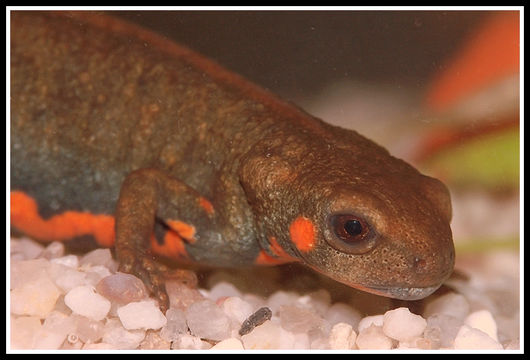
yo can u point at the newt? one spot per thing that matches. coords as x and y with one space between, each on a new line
120 136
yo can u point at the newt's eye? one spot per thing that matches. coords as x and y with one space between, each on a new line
352 234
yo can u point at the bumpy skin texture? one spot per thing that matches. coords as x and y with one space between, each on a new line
176 154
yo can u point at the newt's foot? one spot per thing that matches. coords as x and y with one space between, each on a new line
186 277
151 272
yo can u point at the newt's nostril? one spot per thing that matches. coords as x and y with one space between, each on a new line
419 264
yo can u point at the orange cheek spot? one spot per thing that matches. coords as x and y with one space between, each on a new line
206 205
25 217
302 232
172 247
183 229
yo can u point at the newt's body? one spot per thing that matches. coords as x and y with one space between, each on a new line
121 136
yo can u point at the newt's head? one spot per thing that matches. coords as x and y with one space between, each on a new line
353 212
391 238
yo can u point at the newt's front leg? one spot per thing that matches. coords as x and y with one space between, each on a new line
148 196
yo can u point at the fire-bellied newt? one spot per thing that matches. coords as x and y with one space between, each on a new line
124 137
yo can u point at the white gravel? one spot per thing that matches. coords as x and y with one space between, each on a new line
342 337
141 315
402 325
83 300
207 320
64 302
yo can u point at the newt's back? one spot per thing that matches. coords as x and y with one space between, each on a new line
91 105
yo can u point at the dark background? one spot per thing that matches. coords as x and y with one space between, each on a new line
295 53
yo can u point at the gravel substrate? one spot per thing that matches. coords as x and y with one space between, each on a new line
69 302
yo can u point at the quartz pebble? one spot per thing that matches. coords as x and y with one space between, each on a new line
99 346
141 315
153 341
94 274
319 343
122 288
181 295
255 301
69 278
342 337
223 289
25 249
280 298
340 312
190 342
83 300
373 338
296 319
119 337
237 308
367 321
417 343
72 343
70 261
97 257
265 336
207 320
54 250
441 330
483 320
88 330
319 301
469 338
175 325
402 325
54 331
24 332
298 341
512 345
34 298
26 271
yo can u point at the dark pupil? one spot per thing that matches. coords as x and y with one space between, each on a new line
353 227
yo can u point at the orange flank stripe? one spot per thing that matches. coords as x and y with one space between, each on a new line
490 54
265 259
281 256
206 205
279 251
183 229
173 246
302 232
25 217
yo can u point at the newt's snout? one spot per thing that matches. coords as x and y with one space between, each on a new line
432 271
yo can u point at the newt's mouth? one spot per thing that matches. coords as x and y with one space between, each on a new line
398 292
402 293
